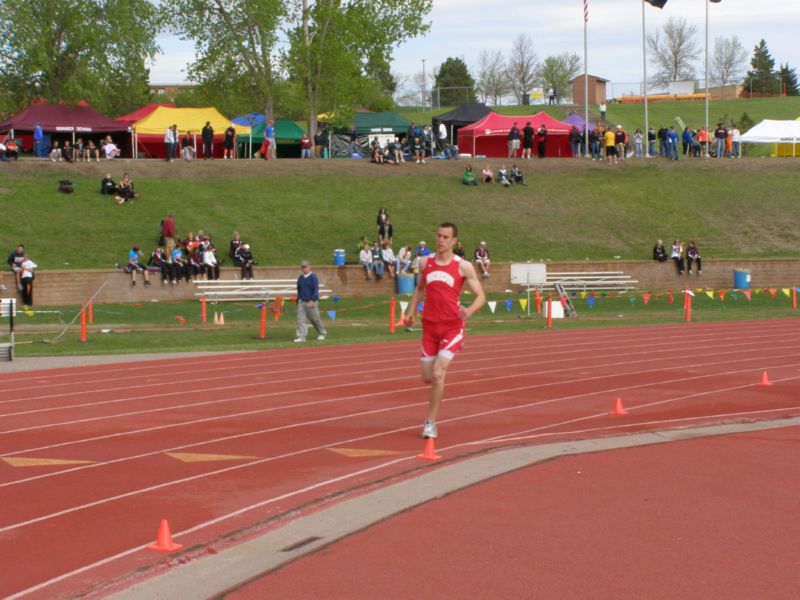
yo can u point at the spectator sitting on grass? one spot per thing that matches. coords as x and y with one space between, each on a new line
482 258
125 192
419 151
134 266
488 174
107 186
502 177
516 176
187 147
469 176
659 252
375 152
365 260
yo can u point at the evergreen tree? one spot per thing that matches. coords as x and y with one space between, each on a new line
453 73
788 78
761 78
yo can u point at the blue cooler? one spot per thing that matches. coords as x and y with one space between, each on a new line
405 284
338 257
741 279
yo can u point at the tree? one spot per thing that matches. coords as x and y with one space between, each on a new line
788 78
93 50
236 42
453 73
761 78
674 54
492 78
556 72
522 66
332 41
727 60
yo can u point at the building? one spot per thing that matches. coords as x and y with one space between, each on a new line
166 92
597 90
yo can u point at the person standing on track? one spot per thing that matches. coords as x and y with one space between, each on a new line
442 277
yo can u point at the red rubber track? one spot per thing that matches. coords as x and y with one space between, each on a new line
70 528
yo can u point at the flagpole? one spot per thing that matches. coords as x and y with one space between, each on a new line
585 80
707 140
644 71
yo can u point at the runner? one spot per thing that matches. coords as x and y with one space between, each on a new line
442 276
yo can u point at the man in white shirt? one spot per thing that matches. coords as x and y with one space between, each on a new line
736 139
441 136
110 149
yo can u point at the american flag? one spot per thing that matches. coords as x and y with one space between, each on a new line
586 11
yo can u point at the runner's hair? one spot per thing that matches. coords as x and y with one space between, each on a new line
451 226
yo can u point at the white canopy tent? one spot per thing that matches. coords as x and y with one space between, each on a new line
774 132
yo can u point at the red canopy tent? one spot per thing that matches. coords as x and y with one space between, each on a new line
140 114
63 122
489 136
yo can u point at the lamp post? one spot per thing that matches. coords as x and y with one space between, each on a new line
423 85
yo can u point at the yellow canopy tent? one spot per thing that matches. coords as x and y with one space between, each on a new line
187 119
790 150
149 131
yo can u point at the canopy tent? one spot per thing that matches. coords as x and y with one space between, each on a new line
149 131
381 122
287 135
787 149
489 136
464 115
140 114
784 134
578 121
63 122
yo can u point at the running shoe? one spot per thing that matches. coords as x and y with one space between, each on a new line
429 429
320 338
300 340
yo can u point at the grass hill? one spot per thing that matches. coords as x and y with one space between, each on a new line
288 209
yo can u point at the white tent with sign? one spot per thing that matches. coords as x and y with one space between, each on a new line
775 132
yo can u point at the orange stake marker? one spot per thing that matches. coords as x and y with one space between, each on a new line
203 315
391 315
262 330
83 326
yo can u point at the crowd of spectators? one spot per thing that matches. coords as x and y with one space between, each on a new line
83 151
504 177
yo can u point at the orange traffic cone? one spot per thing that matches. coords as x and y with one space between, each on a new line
164 541
765 380
618 409
222 318
429 453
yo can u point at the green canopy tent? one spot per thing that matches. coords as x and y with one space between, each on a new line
287 137
368 126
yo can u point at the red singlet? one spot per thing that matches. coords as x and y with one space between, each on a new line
443 285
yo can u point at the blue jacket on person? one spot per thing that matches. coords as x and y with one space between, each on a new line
686 138
307 288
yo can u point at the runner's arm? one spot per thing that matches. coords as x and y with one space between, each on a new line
474 285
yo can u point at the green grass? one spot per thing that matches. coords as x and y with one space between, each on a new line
137 328
571 210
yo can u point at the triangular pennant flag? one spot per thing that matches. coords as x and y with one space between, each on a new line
492 305
670 297
710 294
772 292
523 302
646 298
632 300
583 295
747 294
690 292
787 291
508 305
332 315
721 294
357 297
420 306
734 295
591 301
403 305
335 298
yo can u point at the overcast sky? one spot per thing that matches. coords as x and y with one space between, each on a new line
462 28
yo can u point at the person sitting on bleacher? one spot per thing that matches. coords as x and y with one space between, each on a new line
134 266
158 262
210 262
482 258
178 268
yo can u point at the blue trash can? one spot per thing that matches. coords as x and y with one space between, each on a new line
405 284
338 257
741 279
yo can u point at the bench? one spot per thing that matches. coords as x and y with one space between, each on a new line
248 290
590 281
8 308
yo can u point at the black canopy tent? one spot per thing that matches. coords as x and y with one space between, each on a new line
464 115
